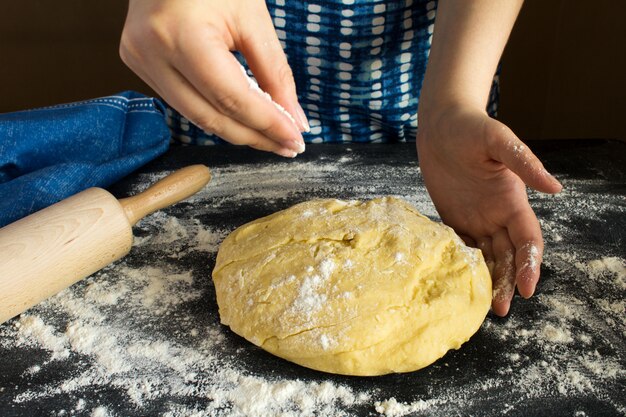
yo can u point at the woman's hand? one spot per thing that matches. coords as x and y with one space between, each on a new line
475 170
182 49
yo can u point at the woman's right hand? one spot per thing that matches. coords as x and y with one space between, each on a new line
182 49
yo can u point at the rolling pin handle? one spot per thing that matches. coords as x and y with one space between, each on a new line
175 187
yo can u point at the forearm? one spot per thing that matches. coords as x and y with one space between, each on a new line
468 41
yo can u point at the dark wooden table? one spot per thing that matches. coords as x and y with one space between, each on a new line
561 353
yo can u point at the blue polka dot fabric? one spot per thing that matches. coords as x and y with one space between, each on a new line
358 67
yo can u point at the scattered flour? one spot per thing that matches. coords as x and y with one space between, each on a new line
611 268
254 86
100 412
147 327
533 257
555 334
503 288
33 331
393 408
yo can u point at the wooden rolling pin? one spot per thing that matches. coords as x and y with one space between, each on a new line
52 249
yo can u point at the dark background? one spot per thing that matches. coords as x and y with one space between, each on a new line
563 71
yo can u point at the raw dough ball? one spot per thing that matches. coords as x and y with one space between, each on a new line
351 287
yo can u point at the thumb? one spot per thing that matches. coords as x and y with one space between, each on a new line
264 54
516 155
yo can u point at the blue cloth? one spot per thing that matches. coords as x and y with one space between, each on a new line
51 153
358 67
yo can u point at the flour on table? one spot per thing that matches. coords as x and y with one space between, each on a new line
142 326
611 270
100 412
32 329
393 408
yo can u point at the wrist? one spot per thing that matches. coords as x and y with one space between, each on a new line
433 112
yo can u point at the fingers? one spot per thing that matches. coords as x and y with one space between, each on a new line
507 148
216 74
518 253
504 273
485 245
184 97
528 258
525 233
468 240
190 65
265 57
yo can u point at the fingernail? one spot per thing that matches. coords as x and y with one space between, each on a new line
550 175
303 121
296 145
287 153
301 147
552 178
502 309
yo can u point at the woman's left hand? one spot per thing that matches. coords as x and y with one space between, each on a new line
476 169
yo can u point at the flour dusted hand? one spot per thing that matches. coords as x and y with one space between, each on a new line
475 168
476 171
182 49
351 287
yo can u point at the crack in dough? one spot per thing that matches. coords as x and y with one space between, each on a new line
351 287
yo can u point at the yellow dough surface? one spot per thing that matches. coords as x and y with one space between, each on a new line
352 287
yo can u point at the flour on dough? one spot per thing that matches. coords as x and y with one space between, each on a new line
351 287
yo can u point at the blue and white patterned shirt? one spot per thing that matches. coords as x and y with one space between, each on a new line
358 67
